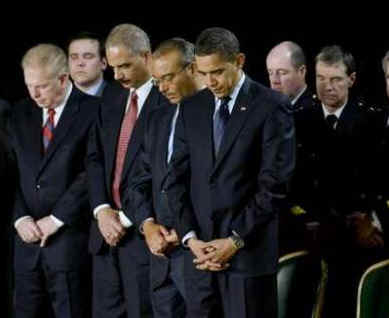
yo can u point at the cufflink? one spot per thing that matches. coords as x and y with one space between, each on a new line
243 108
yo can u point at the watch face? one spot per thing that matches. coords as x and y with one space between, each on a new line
238 241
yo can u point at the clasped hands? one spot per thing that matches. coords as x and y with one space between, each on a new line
109 224
159 239
31 231
214 255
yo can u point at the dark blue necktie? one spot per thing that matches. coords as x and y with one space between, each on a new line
220 122
331 121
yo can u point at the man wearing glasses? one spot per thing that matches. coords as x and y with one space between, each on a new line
175 75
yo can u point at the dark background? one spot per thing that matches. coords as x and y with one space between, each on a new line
257 29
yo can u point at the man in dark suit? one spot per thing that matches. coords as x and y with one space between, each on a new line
121 258
336 167
51 211
233 155
87 63
286 66
174 72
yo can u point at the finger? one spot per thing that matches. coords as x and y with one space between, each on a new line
218 269
36 231
43 241
205 257
164 231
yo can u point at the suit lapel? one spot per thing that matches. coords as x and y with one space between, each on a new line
63 127
137 134
33 137
238 117
165 129
117 110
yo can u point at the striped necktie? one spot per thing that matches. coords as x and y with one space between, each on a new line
126 129
48 129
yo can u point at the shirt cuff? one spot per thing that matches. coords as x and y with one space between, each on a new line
99 208
141 226
21 219
124 220
57 221
189 235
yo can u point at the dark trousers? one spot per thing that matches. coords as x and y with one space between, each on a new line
68 293
168 297
223 294
120 286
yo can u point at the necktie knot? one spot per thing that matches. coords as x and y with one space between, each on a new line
51 113
331 121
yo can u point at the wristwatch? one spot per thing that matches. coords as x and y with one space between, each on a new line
237 241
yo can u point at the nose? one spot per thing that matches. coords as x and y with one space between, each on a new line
36 93
328 86
118 75
210 80
163 87
81 62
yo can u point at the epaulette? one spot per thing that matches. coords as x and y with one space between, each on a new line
314 101
373 108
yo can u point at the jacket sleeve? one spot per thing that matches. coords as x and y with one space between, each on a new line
276 167
177 183
140 188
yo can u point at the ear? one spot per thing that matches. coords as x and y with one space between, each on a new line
63 79
352 77
303 70
104 63
240 60
192 69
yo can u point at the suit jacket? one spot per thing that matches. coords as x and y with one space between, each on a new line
306 100
55 182
334 166
101 160
146 190
241 189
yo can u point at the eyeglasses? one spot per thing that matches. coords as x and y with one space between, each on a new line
168 78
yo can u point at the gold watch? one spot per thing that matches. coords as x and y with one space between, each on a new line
237 241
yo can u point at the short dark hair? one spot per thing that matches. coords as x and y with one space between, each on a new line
87 35
217 40
186 49
335 54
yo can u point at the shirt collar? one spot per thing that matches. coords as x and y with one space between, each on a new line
61 106
142 92
92 90
294 100
233 95
337 113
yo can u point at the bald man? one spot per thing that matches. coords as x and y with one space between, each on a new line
287 69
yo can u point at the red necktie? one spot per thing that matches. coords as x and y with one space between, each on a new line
126 129
48 129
